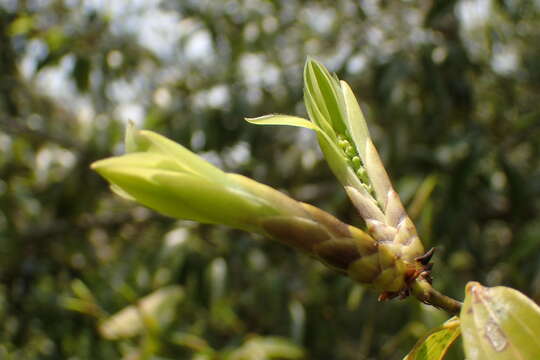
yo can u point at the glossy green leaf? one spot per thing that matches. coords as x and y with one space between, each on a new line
499 323
435 344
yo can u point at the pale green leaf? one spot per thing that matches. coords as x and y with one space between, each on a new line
139 184
356 123
151 142
270 196
144 160
358 129
337 161
157 181
436 343
499 323
316 116
118 191
326 93
278 119
219 204
311 87
377 174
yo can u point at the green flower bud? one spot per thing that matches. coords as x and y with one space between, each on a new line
357 163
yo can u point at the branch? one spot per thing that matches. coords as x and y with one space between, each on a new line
424 292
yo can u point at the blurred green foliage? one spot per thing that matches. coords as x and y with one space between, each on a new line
450 90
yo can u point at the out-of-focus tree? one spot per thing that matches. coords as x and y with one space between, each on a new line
450 90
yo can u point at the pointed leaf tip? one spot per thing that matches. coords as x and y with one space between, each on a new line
278 119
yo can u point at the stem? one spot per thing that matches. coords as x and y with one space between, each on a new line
424 292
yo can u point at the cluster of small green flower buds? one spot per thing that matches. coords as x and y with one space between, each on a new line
354 159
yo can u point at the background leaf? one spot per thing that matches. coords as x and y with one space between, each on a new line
499 323
151 313
436 343
267 348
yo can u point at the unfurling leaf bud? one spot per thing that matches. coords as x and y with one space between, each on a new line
169 178
172 180
345 141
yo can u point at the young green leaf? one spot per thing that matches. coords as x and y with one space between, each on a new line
356 123
346 144
499 323
436 343
152 143
174 189
278 119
